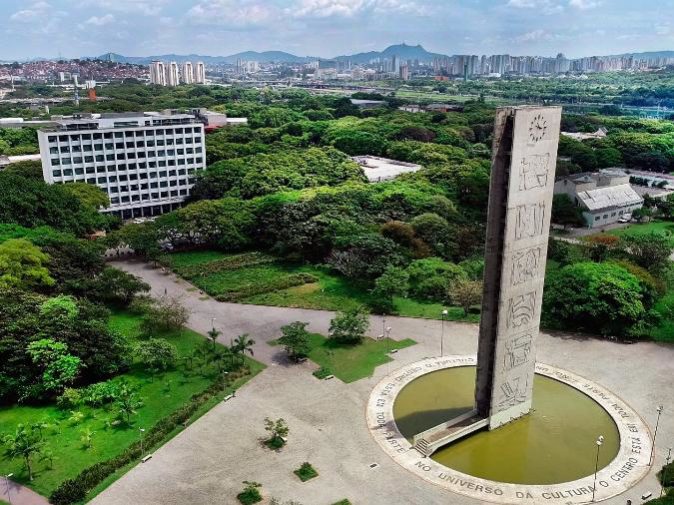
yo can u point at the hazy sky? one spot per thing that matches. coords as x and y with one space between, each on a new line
333 27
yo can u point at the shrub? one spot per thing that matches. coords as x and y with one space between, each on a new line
100 393
69 399
250 493
349 327
295 339
430 277
278 430
306 472
322 373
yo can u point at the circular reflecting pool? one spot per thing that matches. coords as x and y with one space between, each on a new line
553 444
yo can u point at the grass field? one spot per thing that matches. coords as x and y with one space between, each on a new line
328 291
161 395
350 363
664 228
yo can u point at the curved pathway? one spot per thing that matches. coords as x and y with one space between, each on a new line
207 462
16 494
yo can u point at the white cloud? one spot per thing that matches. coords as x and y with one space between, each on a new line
534 36
351 8
232 13
145 7
31 14
100 21
584 4
544 6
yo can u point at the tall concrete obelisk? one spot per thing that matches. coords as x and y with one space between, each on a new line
520 203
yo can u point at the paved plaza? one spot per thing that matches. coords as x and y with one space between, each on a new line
206 463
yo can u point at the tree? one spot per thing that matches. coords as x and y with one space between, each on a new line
295 339
164 314
241 345
602 298
349 327
393 282
213 334
278 430
650 251
564 211
59 369
465 293
429 278
157 354
435 231
127 403
89 195
22 265
115 287
25 443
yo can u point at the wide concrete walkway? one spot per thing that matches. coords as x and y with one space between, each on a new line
16 494
207 463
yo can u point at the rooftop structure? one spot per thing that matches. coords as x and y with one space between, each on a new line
599 134
382 169
368 104
145 162
604 197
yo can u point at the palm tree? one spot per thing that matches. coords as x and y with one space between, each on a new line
213 334
242 344
24 443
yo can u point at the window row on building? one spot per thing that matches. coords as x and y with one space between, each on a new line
77 137
140 144
100 158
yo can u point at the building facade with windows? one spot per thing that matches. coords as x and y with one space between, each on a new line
145 162
604 197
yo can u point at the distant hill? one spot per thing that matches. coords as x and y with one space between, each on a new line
263 57
403 51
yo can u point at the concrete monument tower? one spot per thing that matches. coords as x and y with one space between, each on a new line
520 205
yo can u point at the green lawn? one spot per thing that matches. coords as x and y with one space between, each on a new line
350 363
329 291
664 228
161 395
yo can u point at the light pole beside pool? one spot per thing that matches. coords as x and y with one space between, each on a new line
655 433
442 332
664 472
599 443
7 477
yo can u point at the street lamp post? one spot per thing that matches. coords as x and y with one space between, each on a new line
664 472
442 333
7 477
599 443
655 433
142 452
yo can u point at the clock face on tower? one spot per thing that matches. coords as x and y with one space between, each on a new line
538 128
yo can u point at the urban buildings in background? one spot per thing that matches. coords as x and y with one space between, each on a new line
145 162
168 74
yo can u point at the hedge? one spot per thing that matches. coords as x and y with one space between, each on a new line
228 263
75 490
259 288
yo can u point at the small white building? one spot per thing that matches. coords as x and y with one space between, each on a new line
383 169
604 197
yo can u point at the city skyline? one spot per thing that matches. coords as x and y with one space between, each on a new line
329 28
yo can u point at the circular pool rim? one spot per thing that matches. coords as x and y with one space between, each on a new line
629 466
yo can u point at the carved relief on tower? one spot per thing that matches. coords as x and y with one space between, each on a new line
529 221
513 391
521 310
534 171
517 351
527 265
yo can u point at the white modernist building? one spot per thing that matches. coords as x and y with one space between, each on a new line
603 197
172 77
200 73
157 73
145 162
187 73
